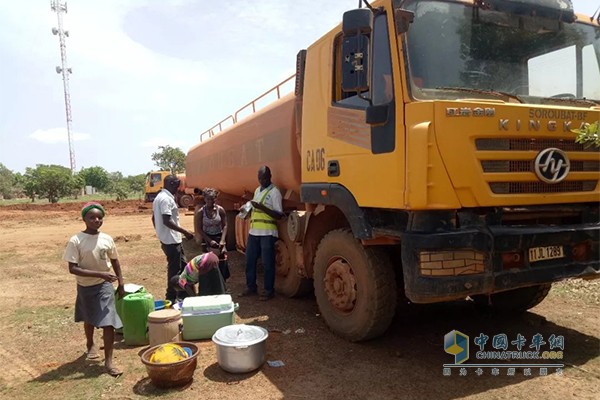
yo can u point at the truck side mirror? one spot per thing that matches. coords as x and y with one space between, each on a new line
356 27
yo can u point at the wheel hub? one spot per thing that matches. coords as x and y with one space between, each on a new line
340 285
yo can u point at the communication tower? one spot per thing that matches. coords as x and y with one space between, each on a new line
60 7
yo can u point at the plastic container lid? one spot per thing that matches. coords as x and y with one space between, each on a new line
240 335
164 315
212 303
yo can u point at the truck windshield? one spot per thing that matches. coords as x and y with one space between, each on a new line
453 47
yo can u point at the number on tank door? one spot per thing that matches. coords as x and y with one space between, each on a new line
315 160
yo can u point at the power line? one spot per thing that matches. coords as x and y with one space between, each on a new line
59 7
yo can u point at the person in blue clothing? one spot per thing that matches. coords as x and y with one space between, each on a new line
266 211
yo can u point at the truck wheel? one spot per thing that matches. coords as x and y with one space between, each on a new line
185 201
288 282
354 286
516 300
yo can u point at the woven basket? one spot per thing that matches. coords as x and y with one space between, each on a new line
171 374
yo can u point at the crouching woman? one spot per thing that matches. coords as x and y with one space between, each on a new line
204 271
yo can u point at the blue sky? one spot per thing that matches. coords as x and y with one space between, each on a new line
145 73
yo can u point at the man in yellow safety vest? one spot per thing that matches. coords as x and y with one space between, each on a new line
266 210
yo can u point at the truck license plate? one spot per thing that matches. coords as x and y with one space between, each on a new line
545 253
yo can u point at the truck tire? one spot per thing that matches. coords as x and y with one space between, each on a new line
514 301
354 286
287 281
185 201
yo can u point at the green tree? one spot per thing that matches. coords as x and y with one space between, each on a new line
589 135
19 184
51 181
78 182
169 159
29 183
121 190
96 177
7 182
117 186
136 183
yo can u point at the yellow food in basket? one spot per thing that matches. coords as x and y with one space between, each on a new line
168 353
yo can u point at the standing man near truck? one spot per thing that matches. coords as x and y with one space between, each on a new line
267 209
165 218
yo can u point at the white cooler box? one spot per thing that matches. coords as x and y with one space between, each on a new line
203 315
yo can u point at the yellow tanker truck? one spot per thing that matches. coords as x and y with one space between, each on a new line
427 155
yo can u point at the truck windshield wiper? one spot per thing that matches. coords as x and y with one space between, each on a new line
502 95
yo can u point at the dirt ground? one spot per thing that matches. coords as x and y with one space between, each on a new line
41 348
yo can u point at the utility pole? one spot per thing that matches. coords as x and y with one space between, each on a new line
59 7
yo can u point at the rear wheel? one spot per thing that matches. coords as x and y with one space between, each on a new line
516 300
288 281
354 286
185 201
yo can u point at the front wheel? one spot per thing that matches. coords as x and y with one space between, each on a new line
514 301
355 286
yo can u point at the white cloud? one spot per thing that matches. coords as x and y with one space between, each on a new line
57 135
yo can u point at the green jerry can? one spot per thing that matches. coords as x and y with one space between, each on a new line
136 307
129 289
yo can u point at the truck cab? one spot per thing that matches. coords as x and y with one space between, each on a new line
154 183
445 128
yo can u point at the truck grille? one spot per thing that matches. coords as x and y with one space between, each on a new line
531 144
541 187
526 165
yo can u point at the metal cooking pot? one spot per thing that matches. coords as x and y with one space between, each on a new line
240 348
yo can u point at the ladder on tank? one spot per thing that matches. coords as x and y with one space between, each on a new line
234 118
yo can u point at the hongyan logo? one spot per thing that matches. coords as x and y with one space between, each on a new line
457 344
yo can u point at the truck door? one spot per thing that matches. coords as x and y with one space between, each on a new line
379 137
363 155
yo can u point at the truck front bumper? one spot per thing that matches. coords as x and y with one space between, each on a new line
451 265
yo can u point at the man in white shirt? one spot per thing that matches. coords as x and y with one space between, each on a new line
165 218
267 209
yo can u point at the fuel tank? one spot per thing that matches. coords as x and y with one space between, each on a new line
229 161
